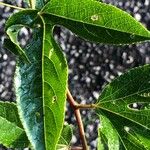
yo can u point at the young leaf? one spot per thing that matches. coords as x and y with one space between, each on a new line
12 133
125 102
96 21
41 85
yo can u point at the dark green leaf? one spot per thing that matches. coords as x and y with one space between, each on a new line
12 28
41 85
107 135
125 102
12 134
96 21
26 18
66 135
15 49
39 4
28 80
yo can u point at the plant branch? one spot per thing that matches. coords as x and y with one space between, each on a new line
86 106
11 6
78 118
76 148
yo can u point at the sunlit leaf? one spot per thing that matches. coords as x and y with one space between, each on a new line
96 21
55 85
12 134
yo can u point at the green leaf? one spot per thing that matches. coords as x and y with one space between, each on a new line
41 85
66 135
12 28
55 85
12 133
107 135
62 147
36 4
96 21
117 102
39 4
15 49
28 79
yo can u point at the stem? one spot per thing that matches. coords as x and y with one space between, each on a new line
87 106
11 6
76 148
78 118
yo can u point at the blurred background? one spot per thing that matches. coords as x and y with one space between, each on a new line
91 65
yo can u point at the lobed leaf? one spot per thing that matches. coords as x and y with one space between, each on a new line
125 102
41 84
12 133
96 21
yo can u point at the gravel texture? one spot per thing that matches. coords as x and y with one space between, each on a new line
91 65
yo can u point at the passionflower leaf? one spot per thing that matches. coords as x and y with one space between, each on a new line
96 21
125 103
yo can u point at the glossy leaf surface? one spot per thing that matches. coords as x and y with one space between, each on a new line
96 21
41 84
12 133
125 102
